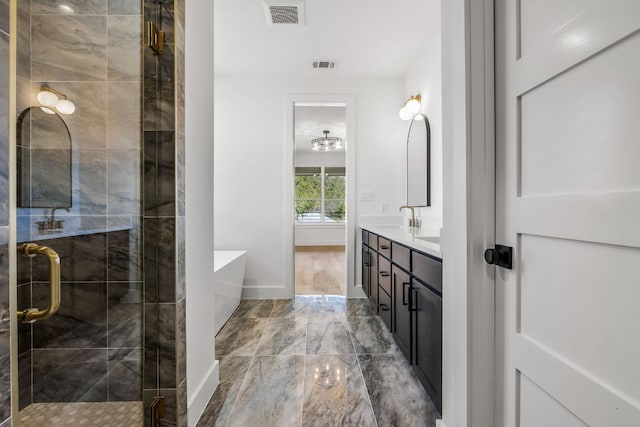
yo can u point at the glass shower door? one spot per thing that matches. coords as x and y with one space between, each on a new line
79 168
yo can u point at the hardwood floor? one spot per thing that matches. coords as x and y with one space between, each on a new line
320 270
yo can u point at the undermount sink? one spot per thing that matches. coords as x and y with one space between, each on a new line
430 239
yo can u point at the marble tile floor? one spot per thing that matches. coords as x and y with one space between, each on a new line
320 270
313 361
104 414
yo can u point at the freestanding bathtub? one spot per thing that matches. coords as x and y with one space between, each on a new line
228 275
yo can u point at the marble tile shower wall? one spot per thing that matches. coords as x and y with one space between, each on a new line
163 121
5 371
92 349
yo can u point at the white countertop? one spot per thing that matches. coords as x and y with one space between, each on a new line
28 227
408 237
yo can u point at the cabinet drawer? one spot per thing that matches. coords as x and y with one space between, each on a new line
384 247
427 269
384 274
373 241
384 307
401 256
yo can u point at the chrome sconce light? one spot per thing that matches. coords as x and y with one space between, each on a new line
410 108
51 101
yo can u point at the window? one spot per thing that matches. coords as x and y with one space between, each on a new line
320 194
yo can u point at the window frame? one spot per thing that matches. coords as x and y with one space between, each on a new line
322 199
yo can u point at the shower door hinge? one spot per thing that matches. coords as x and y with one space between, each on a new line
156 410
155 38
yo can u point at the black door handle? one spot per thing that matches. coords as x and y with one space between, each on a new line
404 293
502 256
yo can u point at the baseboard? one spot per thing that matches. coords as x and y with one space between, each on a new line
320 243
265 291
198 402
440 423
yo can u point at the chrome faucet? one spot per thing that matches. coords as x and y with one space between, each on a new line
412 221
51 224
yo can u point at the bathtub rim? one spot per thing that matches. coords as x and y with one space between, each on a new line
229 257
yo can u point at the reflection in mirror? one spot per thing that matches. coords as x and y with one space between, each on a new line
419 162
44 160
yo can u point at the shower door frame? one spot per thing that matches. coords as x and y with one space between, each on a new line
13 206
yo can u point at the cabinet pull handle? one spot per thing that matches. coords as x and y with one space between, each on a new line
384 246
404 293
384 307
384 273
412 299
367 258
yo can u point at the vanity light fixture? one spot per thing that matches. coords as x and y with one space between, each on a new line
326 143
410 108
51 99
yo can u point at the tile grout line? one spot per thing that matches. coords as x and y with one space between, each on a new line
304 370
362 374
246 374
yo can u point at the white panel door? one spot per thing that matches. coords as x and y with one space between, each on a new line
568 201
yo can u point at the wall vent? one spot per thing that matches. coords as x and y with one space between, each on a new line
324 63
284 12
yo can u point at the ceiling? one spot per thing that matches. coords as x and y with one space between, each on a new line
310 121
365 37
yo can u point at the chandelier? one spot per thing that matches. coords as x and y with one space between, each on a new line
326 143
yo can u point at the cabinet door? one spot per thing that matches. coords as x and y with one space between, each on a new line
366 270
427 310
401 284
373 278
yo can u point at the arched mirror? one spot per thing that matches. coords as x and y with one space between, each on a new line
419 162
44 160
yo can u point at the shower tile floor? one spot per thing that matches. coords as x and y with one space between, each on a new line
104 414
313 361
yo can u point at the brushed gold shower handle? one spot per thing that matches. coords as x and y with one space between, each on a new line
33 314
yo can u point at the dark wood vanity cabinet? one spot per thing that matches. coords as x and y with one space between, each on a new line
370 267
366 270
427 339
406 287
402 310
384 307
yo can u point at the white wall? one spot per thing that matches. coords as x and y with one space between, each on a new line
425 77
320 235
250 158
202 368
315 158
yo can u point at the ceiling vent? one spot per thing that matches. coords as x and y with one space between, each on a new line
324 63
284 12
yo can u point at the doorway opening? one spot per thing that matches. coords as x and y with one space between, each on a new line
320 199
